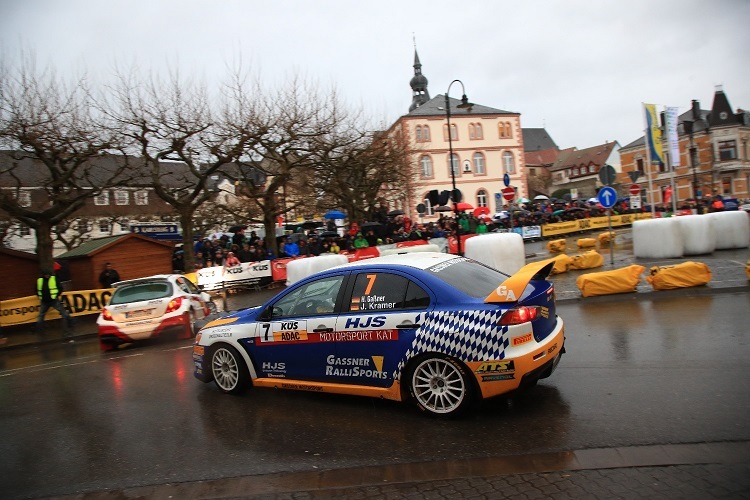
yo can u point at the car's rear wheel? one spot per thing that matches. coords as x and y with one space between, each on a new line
228 369
440 386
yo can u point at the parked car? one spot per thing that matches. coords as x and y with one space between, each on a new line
152 306
436 329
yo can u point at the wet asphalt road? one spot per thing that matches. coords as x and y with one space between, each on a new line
637 372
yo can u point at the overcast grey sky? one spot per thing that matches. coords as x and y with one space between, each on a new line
580 68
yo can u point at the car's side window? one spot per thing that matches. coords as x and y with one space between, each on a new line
191 288
183 285
312 299
386 292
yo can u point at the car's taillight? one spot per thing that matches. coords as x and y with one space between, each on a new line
519 315
174 304
106 314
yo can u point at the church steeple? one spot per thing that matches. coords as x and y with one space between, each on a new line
418 84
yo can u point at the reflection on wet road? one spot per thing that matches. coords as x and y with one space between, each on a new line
642 372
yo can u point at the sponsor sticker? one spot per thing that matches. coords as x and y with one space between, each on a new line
522 339
283 331
502 366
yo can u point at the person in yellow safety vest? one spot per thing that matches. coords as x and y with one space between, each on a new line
49 293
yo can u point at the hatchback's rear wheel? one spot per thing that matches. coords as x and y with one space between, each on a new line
229 370
439 385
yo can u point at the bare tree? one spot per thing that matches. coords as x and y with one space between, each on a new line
364 169
55 150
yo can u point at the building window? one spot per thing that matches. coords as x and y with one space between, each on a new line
141 197
727 150
82 226
481 198
429 210
454 165
122 197
24 230
575 171
639 165
454 132
726 185
508 164
475 131
102 198
478 163
24 198
423 133
124 225
472 132
104 226
480 133
504 130
426 164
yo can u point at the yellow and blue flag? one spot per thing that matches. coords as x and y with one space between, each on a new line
653 134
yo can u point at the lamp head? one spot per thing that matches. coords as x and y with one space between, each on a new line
465 104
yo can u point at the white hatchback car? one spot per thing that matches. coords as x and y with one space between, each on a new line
152 306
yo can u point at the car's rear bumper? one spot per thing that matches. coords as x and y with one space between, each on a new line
119 334
496 377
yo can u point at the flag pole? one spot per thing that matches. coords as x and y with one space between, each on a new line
646 136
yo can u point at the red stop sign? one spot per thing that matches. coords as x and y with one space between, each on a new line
509 193
635 190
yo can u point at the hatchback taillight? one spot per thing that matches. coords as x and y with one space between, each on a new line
518 315
174 304
106 314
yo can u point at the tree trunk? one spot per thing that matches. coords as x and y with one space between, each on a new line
44 246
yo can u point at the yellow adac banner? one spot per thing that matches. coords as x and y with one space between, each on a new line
79 302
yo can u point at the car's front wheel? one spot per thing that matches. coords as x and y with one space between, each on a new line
228 369
439 385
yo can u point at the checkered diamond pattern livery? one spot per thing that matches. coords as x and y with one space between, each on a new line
466 335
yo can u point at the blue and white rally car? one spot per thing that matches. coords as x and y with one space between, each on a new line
434 328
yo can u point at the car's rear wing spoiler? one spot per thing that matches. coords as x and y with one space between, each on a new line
511 289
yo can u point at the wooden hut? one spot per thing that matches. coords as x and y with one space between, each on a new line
21 269
131 255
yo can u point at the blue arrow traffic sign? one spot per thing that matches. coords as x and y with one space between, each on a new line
607 197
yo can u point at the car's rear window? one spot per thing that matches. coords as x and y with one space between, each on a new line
469 276
141 291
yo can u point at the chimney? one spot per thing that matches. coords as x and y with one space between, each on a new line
696 110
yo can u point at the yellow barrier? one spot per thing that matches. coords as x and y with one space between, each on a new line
622 280
78 302
562 262
586 242
556 245
682 275
586 260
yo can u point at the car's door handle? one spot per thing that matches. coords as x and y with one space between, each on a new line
322 330
408 325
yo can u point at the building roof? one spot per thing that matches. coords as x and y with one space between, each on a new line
537 139
572 157
99 244
543 157
436 107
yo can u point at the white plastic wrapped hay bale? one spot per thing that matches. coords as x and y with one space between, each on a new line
411 249
698 234
657 238
302 268
503 251
732 229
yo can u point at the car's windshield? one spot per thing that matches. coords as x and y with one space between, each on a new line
141 291
469 276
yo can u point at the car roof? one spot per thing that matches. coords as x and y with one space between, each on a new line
417 260
146 279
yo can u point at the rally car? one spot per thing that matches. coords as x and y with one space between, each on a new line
152 306
433 328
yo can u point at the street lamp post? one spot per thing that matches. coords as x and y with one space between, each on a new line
465 104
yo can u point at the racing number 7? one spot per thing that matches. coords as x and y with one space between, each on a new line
370 283
266 335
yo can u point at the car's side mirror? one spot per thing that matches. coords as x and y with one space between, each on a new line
266 314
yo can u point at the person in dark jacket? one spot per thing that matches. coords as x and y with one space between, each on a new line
49 296
108 276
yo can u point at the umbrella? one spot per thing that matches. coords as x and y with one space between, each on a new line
500 215
237 228
523 200
334 214
481 211
593 200
328 234
541 197
311 224
394 213
443 208
464 206
375 227
575 209
558 212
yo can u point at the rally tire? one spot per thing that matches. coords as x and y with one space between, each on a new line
228 369
439 385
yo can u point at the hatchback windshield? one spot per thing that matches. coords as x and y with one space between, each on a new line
469 276
141 291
